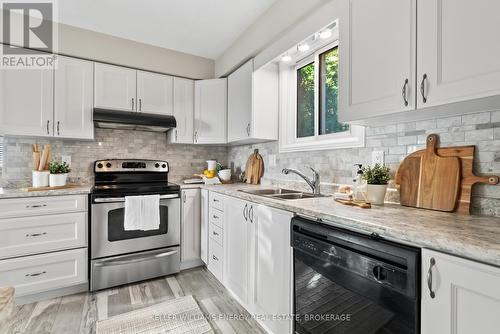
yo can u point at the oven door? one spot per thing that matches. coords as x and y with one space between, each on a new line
109 237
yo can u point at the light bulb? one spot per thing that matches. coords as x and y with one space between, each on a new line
303 47
325 34
286 58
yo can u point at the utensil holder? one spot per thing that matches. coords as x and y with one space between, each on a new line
40 178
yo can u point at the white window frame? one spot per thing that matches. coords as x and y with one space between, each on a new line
289 142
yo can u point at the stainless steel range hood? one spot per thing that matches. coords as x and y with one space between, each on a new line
115 119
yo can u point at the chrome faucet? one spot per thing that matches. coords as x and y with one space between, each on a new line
313 183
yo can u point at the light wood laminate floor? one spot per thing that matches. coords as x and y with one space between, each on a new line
78 313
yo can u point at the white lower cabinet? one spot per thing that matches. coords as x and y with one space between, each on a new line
190 228
459 296
270 267
257 260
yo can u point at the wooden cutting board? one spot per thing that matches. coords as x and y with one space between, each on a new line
466 156
254 168
67 186
430 181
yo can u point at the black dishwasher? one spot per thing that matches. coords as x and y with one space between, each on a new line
351 283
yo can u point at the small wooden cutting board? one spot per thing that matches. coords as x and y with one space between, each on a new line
430 181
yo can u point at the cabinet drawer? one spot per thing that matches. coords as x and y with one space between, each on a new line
216 201
215 259
216 217
36 206
40 273
31 235
216 234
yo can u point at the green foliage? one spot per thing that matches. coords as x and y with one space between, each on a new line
378 174
58 168
220 167
328 97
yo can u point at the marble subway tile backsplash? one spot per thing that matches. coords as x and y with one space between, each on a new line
396 140
184 160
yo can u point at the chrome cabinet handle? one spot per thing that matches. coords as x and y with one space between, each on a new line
215 200
215 258
422 88
132 103
404 93
248 129
32 235
215 217
35 274
175 134
140 104
215 233
250 214
48 124
184 197
429 278
36 206
196 136
58 127
245 212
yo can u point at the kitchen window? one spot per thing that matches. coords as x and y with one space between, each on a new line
309 104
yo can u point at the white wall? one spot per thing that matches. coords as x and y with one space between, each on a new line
96 46
270 26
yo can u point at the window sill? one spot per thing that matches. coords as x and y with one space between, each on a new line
329 144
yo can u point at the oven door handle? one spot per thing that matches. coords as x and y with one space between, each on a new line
134 259
122 199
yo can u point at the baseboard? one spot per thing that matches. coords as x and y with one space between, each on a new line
191 264
70 290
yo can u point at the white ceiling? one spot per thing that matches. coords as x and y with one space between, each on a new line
201 27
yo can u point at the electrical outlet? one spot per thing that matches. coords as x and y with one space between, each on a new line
272 160
378 157
66 159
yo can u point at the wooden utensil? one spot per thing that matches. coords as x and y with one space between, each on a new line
43 159
430 181
466 156
49 156
254 168
360 204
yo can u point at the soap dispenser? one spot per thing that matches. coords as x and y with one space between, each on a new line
358 184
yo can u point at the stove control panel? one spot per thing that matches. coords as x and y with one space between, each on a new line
121 165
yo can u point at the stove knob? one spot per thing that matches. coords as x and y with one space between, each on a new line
157 165
108 165
164 166
99 165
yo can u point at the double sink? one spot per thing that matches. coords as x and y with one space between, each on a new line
283 194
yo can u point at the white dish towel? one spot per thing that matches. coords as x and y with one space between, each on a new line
142 213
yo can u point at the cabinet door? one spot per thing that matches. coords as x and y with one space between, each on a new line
190 225
467 296
236 247
377 58
270 271
239 103
26 102
73 104
183 111
115 87
210 111
457 50
204 226
155 93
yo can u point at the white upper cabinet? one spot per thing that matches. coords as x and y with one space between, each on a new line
458 50
253 104
155 93
183 111
377 52
458 295
73 104
26 102
210 111
115 87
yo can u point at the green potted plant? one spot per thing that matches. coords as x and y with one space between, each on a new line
58 173
376 178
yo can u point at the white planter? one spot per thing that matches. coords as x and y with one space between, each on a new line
58 180
225 174
375 193
40 178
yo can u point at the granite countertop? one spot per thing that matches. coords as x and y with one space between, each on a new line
23 192
472 237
